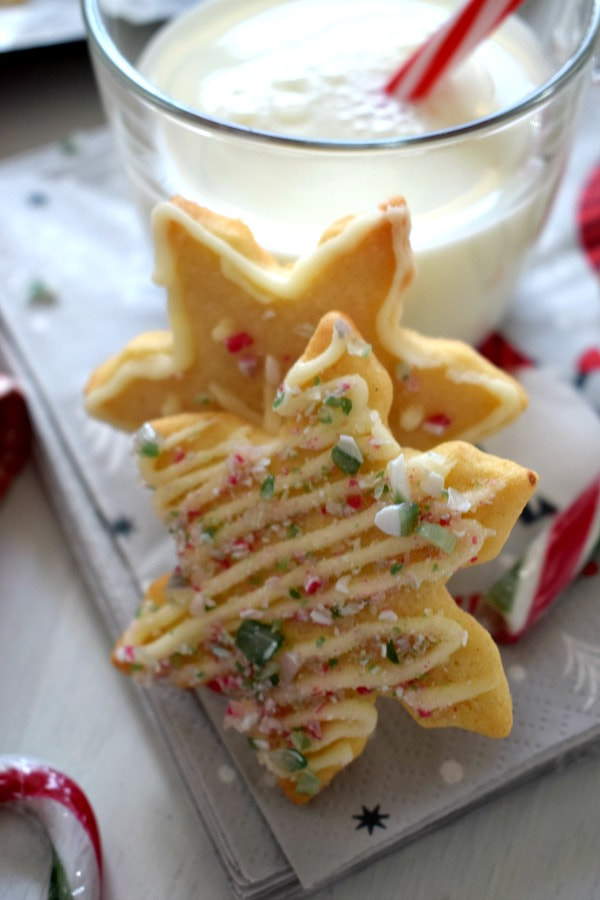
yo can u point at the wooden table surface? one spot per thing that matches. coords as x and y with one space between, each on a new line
61 700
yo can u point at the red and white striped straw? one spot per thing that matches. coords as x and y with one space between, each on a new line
447 47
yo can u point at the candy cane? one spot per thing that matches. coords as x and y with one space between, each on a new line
447 47
65 813
15 431
549 565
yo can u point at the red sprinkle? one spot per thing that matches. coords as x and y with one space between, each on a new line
314 729
437 423
354 500
312 584
239 341
364 690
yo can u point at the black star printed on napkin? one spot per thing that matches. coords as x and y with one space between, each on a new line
122 526
37 198
371 818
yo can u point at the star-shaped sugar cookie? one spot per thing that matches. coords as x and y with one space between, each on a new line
311 566
239 319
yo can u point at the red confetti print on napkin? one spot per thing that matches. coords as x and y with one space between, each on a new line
588 219
501 353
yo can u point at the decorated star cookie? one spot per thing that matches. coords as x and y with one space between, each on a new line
239 319
312 564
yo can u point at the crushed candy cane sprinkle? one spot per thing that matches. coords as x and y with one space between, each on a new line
290 552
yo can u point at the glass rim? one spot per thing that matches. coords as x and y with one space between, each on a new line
101 41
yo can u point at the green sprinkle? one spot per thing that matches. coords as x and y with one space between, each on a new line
282 565
320 641
136 667
343 403
210 531
317 379
278 399
294 530
336 612
390 652
200 675
408 513
308 783
346 456
288 760
502 593
257 641
332 663
380 489
267 487
324 417
437 535
299 739
256 579
202 399
397 567
148 441
295 594
150 449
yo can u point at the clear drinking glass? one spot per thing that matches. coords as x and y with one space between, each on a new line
469 253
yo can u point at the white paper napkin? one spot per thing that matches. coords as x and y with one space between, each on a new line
74 286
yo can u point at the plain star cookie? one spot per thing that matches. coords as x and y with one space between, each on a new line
238 320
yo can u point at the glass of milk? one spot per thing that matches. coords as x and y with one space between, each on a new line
273 111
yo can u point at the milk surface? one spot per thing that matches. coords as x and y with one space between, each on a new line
315 70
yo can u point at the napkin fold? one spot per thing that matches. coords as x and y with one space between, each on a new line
74 254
